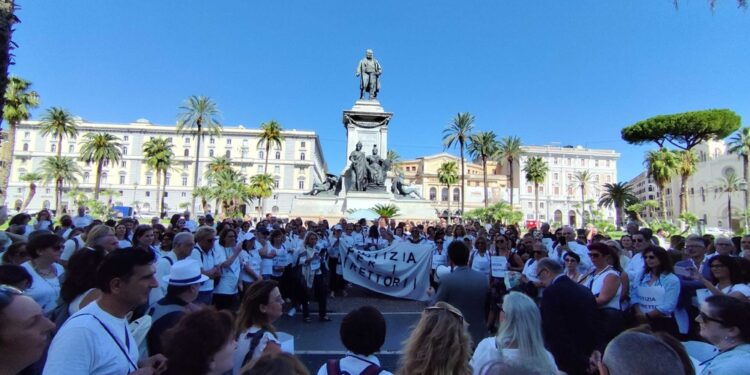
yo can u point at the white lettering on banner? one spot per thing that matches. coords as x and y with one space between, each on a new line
401 270
649 297
499 265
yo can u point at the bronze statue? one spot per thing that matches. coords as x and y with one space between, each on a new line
376 168
369 71
358 168
328 186
399 189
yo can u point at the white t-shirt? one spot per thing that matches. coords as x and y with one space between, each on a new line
83 346
208 261
595 282
124 244
163 268
487 352
230 276
82 221
71 246
354 364
243 345
250 258
44 291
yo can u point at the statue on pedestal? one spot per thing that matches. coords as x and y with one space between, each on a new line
358 168
376 169
400 190
369 71
330 185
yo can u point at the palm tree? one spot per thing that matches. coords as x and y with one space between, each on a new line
100 148
218 165
61 171
661 165
483 145
447 174
32 178
160 158
394 159
620 195
510 150
270 135
204 193
740 144
686 167
198 118
536 171
18 101
261 186
456 134
729 184
59 123
386 211
229 190
583 180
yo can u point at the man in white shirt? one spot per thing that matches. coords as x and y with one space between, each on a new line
571 245
96 340
182 248
191 225
82 220
210 259
362 333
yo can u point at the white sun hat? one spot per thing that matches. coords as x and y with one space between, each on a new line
185 272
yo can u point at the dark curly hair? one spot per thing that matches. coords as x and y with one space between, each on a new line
81 273
197 337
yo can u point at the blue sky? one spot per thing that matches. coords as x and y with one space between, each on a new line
573 72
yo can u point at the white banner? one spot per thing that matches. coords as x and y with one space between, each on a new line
401 270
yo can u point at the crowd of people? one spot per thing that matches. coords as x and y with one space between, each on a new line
201 297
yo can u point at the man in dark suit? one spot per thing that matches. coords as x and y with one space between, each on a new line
465 289
569 318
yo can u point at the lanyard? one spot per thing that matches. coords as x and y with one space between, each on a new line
127 339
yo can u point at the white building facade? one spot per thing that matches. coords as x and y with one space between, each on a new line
295 166
560 193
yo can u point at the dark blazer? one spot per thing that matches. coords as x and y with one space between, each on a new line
467 290
570 324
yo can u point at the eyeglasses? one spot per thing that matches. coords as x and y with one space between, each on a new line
639 240
594 255
705 318
649 257
6 294
718 266
436 308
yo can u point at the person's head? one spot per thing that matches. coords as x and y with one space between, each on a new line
459 231
202 342
47 247
24 330
362 330
276 237
458 253
228 237
143 236
571 260
626 241
184 280
182 244
16 254
81 210
127 275
80 275
620 353
154 220
569 233
481 244
167 240
311 239
695 247
656 260
369 53
205 237
723 321
15 276
261 305
546 271
65 221
439 344
276 363
520 327
631 228
186 215
538 250
121 230
640 242
726 267
101 236
601 255
724 246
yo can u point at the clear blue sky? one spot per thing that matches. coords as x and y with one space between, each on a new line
573 72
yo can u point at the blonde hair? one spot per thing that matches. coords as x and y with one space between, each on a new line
438 345
97 233
521 329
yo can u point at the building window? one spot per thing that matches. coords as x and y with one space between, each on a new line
456 195
211 140
541 188
302 144
302 156
186 153
301 184
187 139
609 178
433 193
183 194
229 141
122 180
86 177
211 153
125 138
276 169
260 169
606 163
228 154
275 209
554 161
26 135
556 190
148 194
167 178
556 176
53 148
71 148
276 182
541 204
124 150
529 189
444 194
531 205
26 147
278 155
123 164
184 180
166 194
596 163
148 180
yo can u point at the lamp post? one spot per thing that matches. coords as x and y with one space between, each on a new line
743 187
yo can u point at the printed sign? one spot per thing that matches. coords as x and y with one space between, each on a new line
499 266
401 270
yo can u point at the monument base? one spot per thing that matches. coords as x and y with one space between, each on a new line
334 208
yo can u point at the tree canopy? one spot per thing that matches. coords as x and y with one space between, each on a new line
683 130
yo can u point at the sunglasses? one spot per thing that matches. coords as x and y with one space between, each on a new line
6 294
639 240
649 257
705 318
436 308
594 255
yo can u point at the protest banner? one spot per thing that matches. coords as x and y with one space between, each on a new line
401 270
499 265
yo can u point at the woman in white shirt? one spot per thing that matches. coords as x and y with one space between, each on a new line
79 287
519 338
311 260
480 259
261 306
45 251
726 270
250 262
121 232
604 283
226 289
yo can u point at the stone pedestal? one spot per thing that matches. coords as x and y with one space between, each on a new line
366 122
